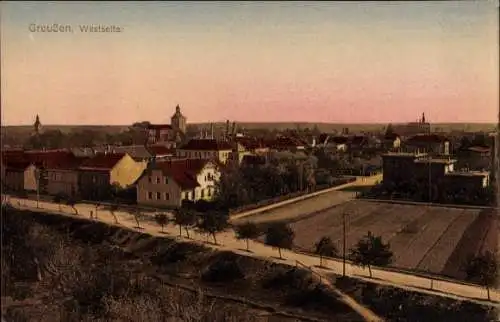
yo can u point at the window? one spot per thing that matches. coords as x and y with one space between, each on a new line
209 192
157 180
150 195
202 193
167 196
158 196
149 179
165 180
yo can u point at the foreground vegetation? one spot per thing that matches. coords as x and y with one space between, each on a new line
88 271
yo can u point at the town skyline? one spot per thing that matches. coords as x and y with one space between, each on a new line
335 63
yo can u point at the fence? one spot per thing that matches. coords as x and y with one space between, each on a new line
292 195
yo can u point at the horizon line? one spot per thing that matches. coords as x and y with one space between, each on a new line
266 122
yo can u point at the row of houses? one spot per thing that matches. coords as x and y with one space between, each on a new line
161 176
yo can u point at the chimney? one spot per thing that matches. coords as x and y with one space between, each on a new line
233 130
212 130
227 128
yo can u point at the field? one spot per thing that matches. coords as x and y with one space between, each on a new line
432 239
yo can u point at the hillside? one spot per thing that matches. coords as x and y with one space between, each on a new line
57 268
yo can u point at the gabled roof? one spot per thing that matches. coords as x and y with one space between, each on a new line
182 171
160 150
206 145
18 165
135 151
102 162
69 163
426 138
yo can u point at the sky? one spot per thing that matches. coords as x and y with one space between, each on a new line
332 62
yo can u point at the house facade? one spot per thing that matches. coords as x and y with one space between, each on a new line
169 183
212 149
97 175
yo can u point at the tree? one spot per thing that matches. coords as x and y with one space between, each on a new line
370 250
112 209
59 198
71 201
279 235
162 220
185 218
214 222
482 269
247 231
325 247
136 215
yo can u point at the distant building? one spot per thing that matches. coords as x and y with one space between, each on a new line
98 174
211 149
413 128
174 132
430 143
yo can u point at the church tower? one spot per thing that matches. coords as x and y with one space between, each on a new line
423 117
37 126
178 121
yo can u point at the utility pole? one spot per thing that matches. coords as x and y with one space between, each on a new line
344 245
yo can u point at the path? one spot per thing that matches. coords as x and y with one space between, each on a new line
303 205
412 282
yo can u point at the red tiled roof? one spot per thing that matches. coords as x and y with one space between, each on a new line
427 138
159 127
69 163
183 171
16 164
160 150
206 145
40 158
102 161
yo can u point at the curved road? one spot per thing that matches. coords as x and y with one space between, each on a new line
228 241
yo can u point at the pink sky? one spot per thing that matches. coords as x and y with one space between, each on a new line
252 63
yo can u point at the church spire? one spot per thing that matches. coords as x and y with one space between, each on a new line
423 117
37 124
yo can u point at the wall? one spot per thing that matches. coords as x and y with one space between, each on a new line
30 178
62 181
170 187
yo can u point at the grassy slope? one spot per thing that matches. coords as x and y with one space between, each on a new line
270 287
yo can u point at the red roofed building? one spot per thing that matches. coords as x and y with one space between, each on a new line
99 173
161 152
211 149
168 183
173 132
